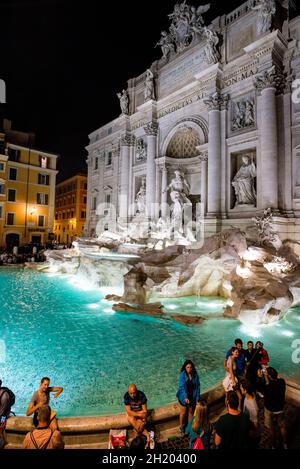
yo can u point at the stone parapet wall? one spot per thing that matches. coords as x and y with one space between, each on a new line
92 432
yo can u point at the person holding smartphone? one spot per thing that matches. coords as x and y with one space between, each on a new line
2 428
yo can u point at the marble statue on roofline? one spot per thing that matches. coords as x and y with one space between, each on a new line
124 102
187 23
266 10
211 53
166 44
149 86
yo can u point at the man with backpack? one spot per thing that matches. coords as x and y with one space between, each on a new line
7 400
43 437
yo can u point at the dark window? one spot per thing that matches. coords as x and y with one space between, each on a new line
1 211
13 174
85 186
84 199
13 155
109 157
43 179
2 166
41 220
96 163
11 195
42 199
2 189
10 219
94 203
83 214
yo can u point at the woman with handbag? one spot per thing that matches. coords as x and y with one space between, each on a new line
199 427
188 394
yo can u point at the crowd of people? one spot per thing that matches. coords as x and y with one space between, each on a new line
11 258
248 379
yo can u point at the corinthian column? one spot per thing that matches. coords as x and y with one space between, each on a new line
157 192
204 159
164 195
215 103
151 131
267 84
126 142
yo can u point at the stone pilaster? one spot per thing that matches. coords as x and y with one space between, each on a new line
267 85
126 142
204 159
151 130
215 103
164 195
157 192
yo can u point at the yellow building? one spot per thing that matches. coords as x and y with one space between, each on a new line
27 190
70 208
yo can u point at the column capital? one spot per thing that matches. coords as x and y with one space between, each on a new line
270 78
217 101
203 156
127 140
151 129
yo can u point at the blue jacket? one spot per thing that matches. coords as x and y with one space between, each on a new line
182 391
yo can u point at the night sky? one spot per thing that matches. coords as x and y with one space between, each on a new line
64 61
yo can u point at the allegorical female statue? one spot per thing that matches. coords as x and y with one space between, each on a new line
149 86
243 183
141 197
266 10
124 102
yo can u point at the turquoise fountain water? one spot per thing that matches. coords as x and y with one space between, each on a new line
50 327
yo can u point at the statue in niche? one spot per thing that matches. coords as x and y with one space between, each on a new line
243 183
266 11
179 193
166 44
141 197
211 53
141 150
243 114
124 102
149 86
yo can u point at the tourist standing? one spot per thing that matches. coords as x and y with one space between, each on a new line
232 429
188 394
230 381
41 398
240 360
274 394
264 359
250 408
199 426
252 363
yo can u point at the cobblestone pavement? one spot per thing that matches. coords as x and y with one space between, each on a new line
292 416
